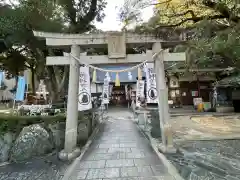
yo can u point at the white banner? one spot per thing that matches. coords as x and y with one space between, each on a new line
152 93
105 93
84 96
139 92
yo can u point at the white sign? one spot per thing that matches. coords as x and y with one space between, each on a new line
84 96
197 101
152 93
105 94
139 92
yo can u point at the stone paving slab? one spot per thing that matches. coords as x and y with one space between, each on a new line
120 152
44 168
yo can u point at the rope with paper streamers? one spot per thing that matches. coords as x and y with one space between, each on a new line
113 71
117 81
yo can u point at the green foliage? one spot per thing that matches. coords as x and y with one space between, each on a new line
15 124
214 46
80 14
17 23
9 62
12 26
215 26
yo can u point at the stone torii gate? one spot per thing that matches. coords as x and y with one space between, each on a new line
116 42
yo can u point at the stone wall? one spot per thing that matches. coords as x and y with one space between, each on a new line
42 138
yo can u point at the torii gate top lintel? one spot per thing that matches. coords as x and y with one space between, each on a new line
116 42
62 39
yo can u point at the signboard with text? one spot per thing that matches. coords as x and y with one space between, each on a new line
84 95
139 92
105 94
152 94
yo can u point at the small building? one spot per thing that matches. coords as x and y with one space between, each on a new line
228 94
183 86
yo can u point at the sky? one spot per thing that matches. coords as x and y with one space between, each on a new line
111 22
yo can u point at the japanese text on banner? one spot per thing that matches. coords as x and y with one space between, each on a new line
140 92
152 93
105 94
84 96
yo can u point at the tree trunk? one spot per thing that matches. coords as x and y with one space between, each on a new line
56 82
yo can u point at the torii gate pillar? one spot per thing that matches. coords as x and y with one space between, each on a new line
163 107
70 150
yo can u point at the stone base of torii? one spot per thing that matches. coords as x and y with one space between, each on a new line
116 54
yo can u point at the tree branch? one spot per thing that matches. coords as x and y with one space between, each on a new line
182 14
91 13
71 11
155 4
195 20
27 66
65 73
222 9
145 5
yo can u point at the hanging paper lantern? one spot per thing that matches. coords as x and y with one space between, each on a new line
117 81
129 76
107 76
94 77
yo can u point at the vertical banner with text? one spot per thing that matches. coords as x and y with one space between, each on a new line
152 93
105 94
139 92
84 95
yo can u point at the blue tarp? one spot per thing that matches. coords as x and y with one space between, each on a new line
1 77
20 89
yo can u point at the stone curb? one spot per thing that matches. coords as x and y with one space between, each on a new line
214 138
4 163
171 169
70 169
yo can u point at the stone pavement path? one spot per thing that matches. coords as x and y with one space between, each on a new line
120 152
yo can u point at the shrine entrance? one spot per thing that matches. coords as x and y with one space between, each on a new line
117 43
118 96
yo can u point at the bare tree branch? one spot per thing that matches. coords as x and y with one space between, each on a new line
194 19
222 9
71 11
91 13
225 13
181 14
159 3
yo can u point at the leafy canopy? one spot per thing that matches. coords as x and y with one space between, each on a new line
17 22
